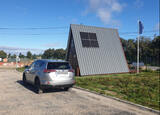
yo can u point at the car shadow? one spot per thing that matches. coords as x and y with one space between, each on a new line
32 88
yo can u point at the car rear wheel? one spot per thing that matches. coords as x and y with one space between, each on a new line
38 86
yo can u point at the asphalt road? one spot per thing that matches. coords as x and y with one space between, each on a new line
17 99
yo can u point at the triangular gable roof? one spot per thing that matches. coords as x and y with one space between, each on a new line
108 58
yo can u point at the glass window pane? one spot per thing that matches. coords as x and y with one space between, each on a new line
84 35
92 36
58 65
94 44
86 43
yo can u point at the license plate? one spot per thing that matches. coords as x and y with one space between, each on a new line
62 72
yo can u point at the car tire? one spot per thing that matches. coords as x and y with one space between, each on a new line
24 79
66 88
38 86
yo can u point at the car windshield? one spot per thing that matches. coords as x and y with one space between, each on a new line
58 65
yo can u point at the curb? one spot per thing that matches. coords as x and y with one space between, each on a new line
117 99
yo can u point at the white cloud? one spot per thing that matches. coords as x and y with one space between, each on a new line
104 15
93 3
138 3
17 50
117 7
105 10
53 45
74 21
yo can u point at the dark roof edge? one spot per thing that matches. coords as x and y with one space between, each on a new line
68 42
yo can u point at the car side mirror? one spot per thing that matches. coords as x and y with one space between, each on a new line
26 66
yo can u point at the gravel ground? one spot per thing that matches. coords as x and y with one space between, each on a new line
17 99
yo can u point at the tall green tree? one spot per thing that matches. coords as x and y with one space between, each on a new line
21 55
34 56
9 55
59 54
3 54
155 46
129 47
48 54
54 54
29 55
149 50
13 56
145 48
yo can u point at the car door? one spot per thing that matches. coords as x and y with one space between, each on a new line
27 74
33 71
30 72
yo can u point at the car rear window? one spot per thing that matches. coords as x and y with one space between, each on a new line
58 65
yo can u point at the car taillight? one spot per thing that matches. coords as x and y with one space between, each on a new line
49 70
71 70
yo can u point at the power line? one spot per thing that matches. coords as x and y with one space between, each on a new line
58 28
65 33
151 31
34 34
62 27
35 28
136 35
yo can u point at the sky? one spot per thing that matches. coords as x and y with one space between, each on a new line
43 24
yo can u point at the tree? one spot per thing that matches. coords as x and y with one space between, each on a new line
54 54
13 56
9 55
129 47
48 54
59 54
155 46
3 54
21 55
149 50
145 48
29 55
34 56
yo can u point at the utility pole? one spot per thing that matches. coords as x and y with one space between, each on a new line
16 61
140 30
138 53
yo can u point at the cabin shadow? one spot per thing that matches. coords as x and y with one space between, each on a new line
32 88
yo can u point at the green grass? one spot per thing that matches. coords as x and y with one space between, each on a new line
21 69
142 89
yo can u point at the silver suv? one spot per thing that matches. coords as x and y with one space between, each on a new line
46 74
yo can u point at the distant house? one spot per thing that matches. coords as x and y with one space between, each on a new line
95 50
5 60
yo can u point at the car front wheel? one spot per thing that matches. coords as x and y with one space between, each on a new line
24 79
37 86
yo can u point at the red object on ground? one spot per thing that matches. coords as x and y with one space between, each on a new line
1 63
